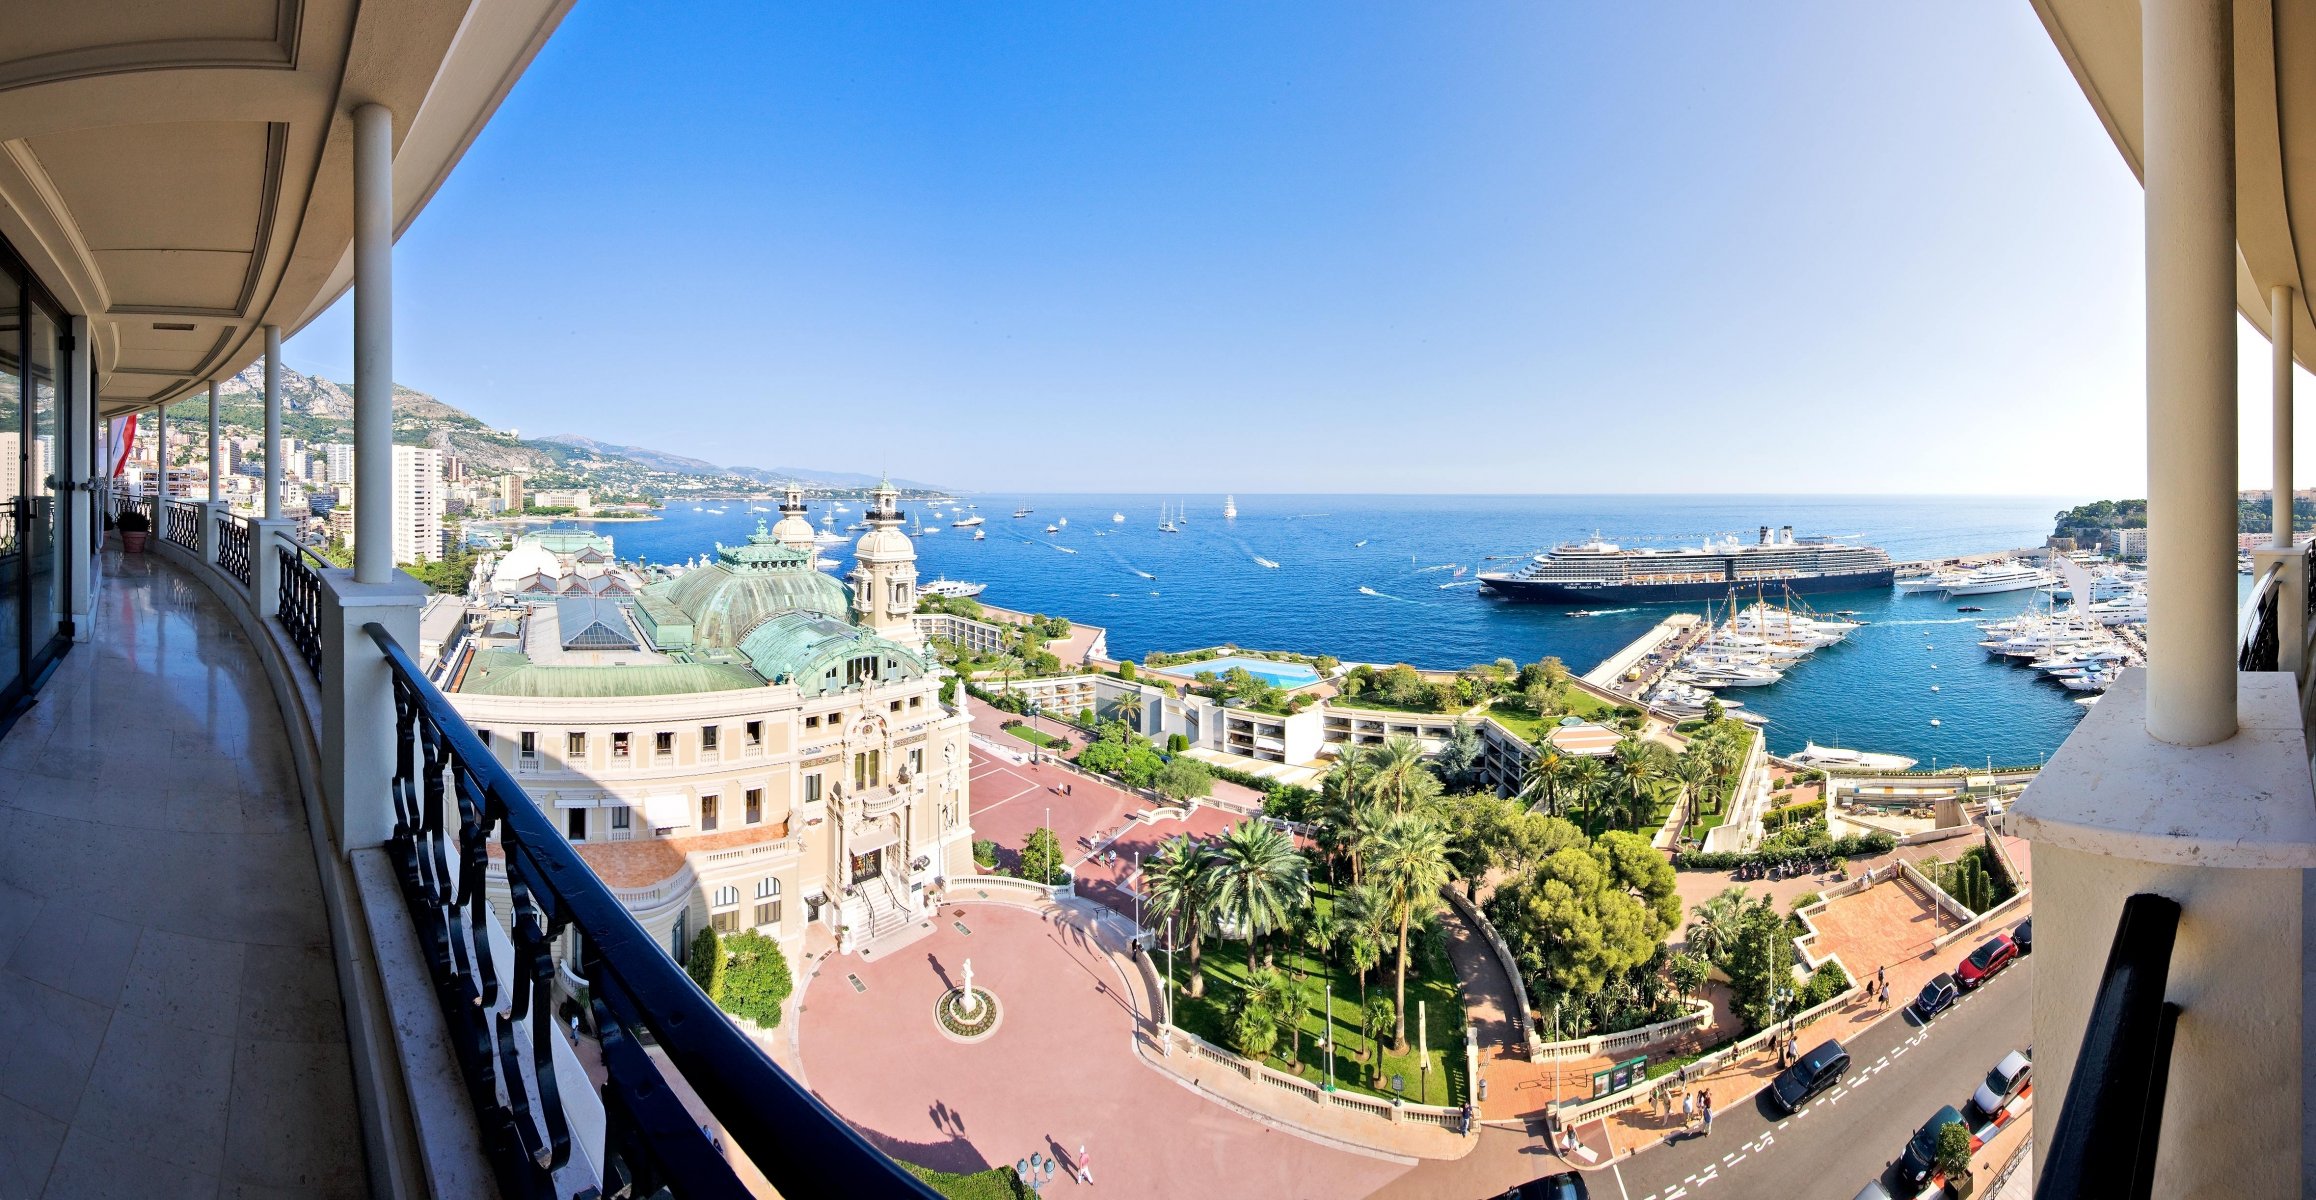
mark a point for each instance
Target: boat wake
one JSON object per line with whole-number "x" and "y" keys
{"x": 1441, "y": 567}
{"x": 1368, "y": 591}
{"x": 1460, "y": 583}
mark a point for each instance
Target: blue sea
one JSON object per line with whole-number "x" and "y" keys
{"x": 1398, "y": 598}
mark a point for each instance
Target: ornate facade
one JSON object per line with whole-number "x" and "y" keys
{"x": 727, "y": 748}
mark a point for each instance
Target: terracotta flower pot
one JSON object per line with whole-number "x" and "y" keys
{"x": 133, "y": 543}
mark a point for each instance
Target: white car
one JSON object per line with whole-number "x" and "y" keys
{"x": 2003, "y": 1084}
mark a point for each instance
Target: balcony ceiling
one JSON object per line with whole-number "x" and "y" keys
{"x": 182, "y": 173}
{"x": 2275, "y": 56}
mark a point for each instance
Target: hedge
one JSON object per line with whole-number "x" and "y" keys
{"x": 1848, "y": 847}
{"x": 996, "y": 1183}
{"x": 1288, "y": 801}
{"x": 1778, "y": 818}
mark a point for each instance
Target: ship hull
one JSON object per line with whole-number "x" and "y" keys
{"x": 1534, "y": 591}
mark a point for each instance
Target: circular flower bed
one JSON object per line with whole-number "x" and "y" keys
{"x": 950, "y": 1013}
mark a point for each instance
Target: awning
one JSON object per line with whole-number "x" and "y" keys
{"x": 874, "y": 839}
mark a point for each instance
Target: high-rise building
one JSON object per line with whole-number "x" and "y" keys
{"x": 340, "y": 456}
{"x": 417, "y": 504}
{"x": 511, "y": 492}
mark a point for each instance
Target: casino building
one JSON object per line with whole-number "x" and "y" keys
{"x": 747, "y": 745}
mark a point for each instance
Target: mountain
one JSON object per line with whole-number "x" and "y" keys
{"x": 675, "y": 462}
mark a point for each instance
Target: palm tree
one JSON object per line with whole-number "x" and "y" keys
{"x": 1542, "y": 780}
{"x": 1410, "y": 865}
{"x": 1584, "y": 781}
{"x": 1395, "y": 769}
{"x": 1718, "y": 923}
{"x": 1367, "y": 823}
{"x": 1257, "y": 878}
{"x": 1631, "y": 769}
{"x": 1692, "y": 770}
{"x": 1178, "y": 882}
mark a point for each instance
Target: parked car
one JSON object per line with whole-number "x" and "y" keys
{"x": 1992, "y": 955}
{"x": 2024, "y": 935}
{"x": 1922, "y": 1151}
{"x": 1873, "y": 1191}
{"x": 1936, "y": 996}
{"x": 1813, "y": 1073}
{"x": 2003, "y": 1084}
{"x": 1568, "y": 1185}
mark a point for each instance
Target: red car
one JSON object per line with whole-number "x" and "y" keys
{"x": 1995, "y": 954}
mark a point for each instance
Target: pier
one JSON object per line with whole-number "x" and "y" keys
{"x": 1674, "y": 631}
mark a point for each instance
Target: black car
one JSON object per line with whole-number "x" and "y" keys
{"x": 2024, "y": 935}
{"x": 1568, "y": 1185}
{"x": 1818, "y": 1070}
{"x": 1922, "y": 1151}
{"x": 1936, "y": 996}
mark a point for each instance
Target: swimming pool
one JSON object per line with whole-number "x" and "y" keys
{"x": 1277, "y": 674}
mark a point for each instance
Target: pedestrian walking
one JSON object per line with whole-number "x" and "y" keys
{"x": 1688, "y": 1109}
{"x": 1085, "y": 1166}
{"x": 1885, "y": 996}
{"x": 1882, "y": 977}
{"x": 1706, "y": 1106}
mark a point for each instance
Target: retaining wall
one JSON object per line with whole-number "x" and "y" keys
{"x": 1523, "y": 1024}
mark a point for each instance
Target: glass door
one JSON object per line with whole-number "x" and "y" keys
{"x": 44, "y": 541}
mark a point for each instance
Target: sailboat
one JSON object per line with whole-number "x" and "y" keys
{"x": 1164, "y": 525}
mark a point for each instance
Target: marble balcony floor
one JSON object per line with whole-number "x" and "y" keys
{"x": 166, "y": 974}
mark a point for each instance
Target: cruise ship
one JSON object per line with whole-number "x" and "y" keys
{"x": 1597, "y": 572}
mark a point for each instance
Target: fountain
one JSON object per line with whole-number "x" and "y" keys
{"x": 966, "y": 1013}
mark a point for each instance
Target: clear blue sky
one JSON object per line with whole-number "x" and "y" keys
{"x": 1509, "y": 247}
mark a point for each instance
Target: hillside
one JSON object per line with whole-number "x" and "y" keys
{"x": 2086, "y": 522}
{"x": 676, "y": 462}
{"x": 315, "y": 409}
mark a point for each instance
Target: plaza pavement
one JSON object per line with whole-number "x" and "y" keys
{"x": 1059, "y": 1071}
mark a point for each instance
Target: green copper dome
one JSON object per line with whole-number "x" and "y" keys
{"x": 746, "y": 585}
{"x": 822, "y": 655}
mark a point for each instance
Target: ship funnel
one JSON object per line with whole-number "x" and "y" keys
{"x": 1789, "y": 535}
{"x": 1765, "y": 535}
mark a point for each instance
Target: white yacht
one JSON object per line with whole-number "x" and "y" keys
{"x": 952, "y": 587}
{"x": 2003, "y": 576}
{"x": 1814, "y": 755}
{"x": 968, "y": 522}
{"x": 1117, "y": 518}
{"x": 1230, "y": 508}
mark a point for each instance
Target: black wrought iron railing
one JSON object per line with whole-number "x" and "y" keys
{"x": 445, "y": 775}
{"x": 184, "y": 530}
{"x": 233, "y": 546}
{"x": 2259, "y": 640}
{"x": 2104, "y": 1144}
{"x": 144, "y": 507}
{"x": 298, "y": 604}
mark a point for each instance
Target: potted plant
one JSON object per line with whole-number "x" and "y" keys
{"x": 135, "y": 528}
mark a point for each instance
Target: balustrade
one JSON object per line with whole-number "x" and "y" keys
{"x": 233, "y": 555}
{"x": 184, "y": 526}
{"x": 298, "y": 605}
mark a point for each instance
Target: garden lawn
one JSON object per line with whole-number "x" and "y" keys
{"x": 1375, "y": 703}
{"x": 1434, "y": 984}
{"x": 1529, "y": 728}
{"x": 1036, "y": 737}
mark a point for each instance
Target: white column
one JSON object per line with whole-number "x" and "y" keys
{"x": 161, "y": 477}
{"x": 2191, "y": 370}
{"x": 2281, "y": 311}
{"x": 273, "y": 452}
{"x": 216, "y": 457}
{"x": 374, "y": 344}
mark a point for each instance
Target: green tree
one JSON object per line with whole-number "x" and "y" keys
{"x": 1954, "y": 1152}
{"x": 756, "y": 978}
{"x": 1126, "y": 671}
{"x": 1258, "y": 879}
{"x": 1410, "y": 866}
{"x": 1460, "y": 757}
{"x": 1362, "y": 916}
{"x": 1759, "y": 964}
{"x": 1393, "y": 771}
{"x": 1041, "y": 857}
{"x": 705, "y": 963}
{"x": 1587, "y": 914}
{"x": 1377, "y": 1016}
{"x": 1713, "y": 932}
{"x": 1177, "y": 880}
{"x": 1183, "y": 778}
{"x": 1263, "y": 1007}
{"x": 1689, "y": 972}
{"x": 1176, "y": 743}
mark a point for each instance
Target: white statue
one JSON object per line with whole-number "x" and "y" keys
{"x": 971, "y": 1004}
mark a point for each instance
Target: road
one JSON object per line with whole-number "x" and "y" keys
{"x": 1901, "y": 1072}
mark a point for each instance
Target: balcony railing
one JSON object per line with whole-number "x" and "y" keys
{"x": 233, "y": 555}
{"x": 444, "y": 773}
{"x": 184, "y": 529}
{"x": 2105, "y": 1142}
{"x": 298, "y": 604}
{"x": 2259, "y": 636}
